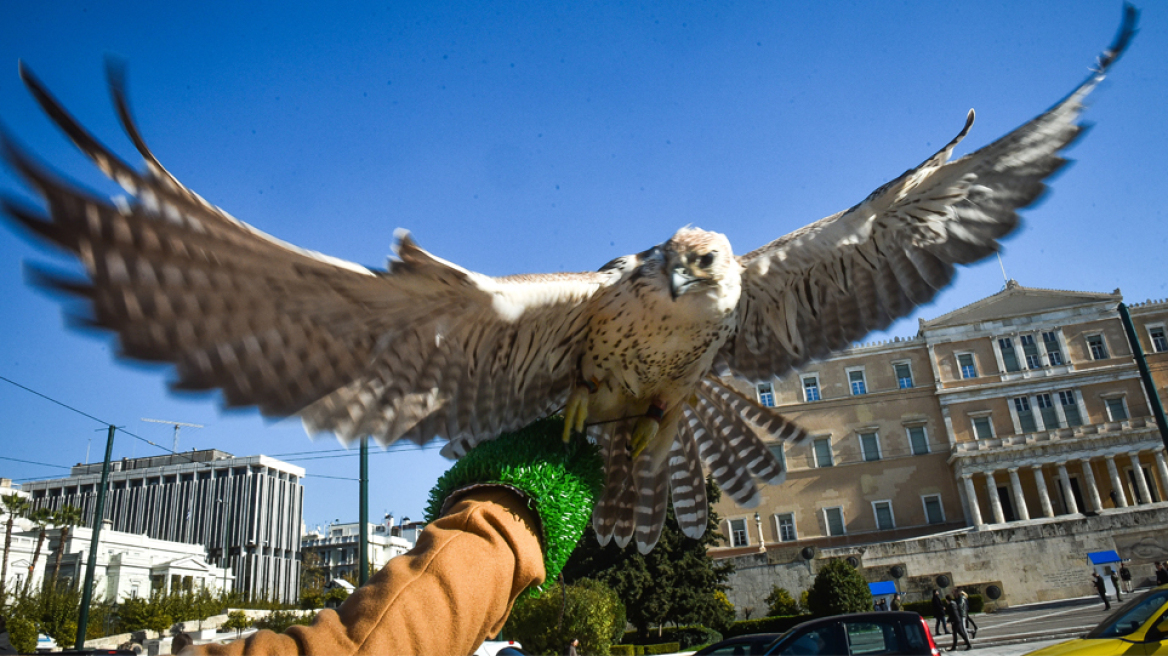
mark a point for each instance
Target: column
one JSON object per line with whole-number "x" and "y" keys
{"x": 995, "y": 500}
{"x": 1138, "y": 474}
{"x": 1162, "y": 467}
{"x": 971, "y": 497}
{"x": 1116, "y": 482}
{"x": 1019, "y": 499}
{"x": 1092, "y": 490}
{"x": 1043, "y": 493}
{"x": 1068, "y": 493}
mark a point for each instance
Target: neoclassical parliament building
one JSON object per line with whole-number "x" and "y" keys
{"x": 1023, "y": 406}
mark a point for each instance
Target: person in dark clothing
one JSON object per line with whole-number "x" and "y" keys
{"x": 1115, "y": 584}
{"x": 1125, "y": 576}
{"x": 1161, "y": 574}
{"x": 897, "y": 604}
{"x": 940, "y": 626}
{"x": 966, "y": 620}
{"x": 954, "y": 612}
{"x": 1101, "y": 588}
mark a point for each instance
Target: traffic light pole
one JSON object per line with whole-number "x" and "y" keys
{"x": 90, "y": 567}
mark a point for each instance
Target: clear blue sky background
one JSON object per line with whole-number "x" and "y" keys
{"x": 527, "y": 137}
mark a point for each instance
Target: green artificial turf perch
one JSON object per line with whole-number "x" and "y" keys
{"x": 560, "y": 481}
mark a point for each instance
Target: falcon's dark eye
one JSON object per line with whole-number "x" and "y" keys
{"x": 707, "y": 259}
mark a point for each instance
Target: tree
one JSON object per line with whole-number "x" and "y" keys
{"x": 16, "y": 506}
{"x": 676, "y": 582}
{"x": 780, "y": 602}
{"x": 67, "y": 517}
{"x": 838, "y": 588}
{"x": 42, "y": 517}
{"x": 238, "y": 620}
{"x": 587, "y": 610}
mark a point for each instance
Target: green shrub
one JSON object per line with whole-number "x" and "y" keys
{"x": 780, "y": 603}
{"x": 591, "y": 614}
{"x": 976, "y": 603}
{"x": 280, "y": 620}
{"x": 838, "y": 589}
{"x": 238, "y": 620}
{"x": 663, "y": 648}
{"x": 22, "y": 633}
{"x": 638, "y": 650}
{"x": 925, "y": 608}
{"x": 765, "y": 625}
{"x": 622, "y": 650}
{"x": 686, "y": 636}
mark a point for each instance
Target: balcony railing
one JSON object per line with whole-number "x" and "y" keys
{"x": 1042, "y": 437}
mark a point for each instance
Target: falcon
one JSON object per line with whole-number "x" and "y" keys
{"x": 636, "y": 354}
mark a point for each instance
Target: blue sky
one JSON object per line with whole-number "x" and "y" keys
{"x": 527, "y": 137}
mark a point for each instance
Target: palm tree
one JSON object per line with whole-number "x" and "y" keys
{"x": 42, "y": 517}
{"x": 67, "y": 517}
{"x": 15, "y": 505}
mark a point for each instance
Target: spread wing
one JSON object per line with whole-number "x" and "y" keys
{"x": 423, "y": 349}
{"x": 827, "y": 285}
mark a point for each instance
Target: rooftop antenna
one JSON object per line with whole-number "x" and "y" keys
{"x": 177, "y": 427}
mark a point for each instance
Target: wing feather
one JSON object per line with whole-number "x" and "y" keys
{"x": 898, "y": 247}
{"x": 424, "y": 349}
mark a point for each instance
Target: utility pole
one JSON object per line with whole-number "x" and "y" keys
{"x": 363, "y": 551}
{"x": 177, "y": 426}
{"x": 98, "y": 516}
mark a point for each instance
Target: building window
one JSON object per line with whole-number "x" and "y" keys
{"x": 883, "y": 512}
{"x": 1098, "y": 348}
{"x": 1009, "y": 357}
{"x": 1050, "y": 419}
{"x": 919, "y": 440}
{"x": 903, "y": 375}
{"x": 1070, "y": 408}
{"x": 766, "y": 395}
{"x": 857, "y": 383}
{"x": 1054, "y": 350}
{"x": 739, "y": 537}
{"x": 1025, "y": 415}
{"x": 777, "y": 451}
{"x": 1030, "y": 350}
{"x": 983, "y": 428}
{"x": 834, "y": 518}
{"x": 1159, "y": 340}
{"x": 968, "y": 368}
{"x": 870, "y": 446}
{"x": 934, "y": 513}
{"x": 811, "y": 388}
{"x": 1116, "y": 408}
{"x": 823, "y": 452}
{"x": 786, "y": 522}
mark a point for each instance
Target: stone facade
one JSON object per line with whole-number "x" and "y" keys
{"x": 1024, "y": 408}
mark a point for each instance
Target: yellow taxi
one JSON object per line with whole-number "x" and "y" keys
{"x": 1138, "y": 628}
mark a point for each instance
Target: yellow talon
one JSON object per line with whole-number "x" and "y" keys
{"x": 576, "y": 412}
{"x": 643, "y": 433}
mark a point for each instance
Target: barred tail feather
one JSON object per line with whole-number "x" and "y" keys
{"x": 687, "y": 484}
{"x": 617, "y": 477}
{"x": 724, "y": 464}
{"x": 652, "y": 500}
{"x": 741, "y": 436}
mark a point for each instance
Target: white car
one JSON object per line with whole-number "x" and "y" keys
{"x": 500, "y": 648}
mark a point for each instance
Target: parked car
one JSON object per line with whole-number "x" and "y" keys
{"x": 884, "y": 633}
{"x": 755, "y": 644}
{"x": 1138, "y": 627}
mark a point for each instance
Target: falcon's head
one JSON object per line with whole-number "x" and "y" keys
{"x": 697, "y": 260}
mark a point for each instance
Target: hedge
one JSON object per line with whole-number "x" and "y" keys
{"x": 622, "y": 650}
{"x": 686, "y": 636}
{"x": 663, "y": 648}
{"x": 779, "y": 624}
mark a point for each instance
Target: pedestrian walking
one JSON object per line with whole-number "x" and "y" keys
{"x": 940, "y": 627}
{"x": 1101, "y": 588}
{"x": 966, "y": 620}
{"x": 1125, "y": 576}
{"x": 1114, "y": 583}
{"x": 572, "y": 647}
{"x": 954, "y": 613}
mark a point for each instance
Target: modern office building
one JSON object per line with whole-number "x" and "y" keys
{"x": 251, "y": 506}
{"x": 1025, "y": 404}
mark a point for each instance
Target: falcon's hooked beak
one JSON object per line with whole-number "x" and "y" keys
{"x": 680, "y": 280}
